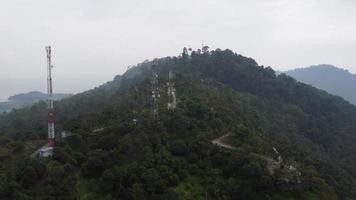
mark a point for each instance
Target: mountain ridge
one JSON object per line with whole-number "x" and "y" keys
{"x": 336, "y": 81}
{"x": 136, "y": 156}
{"x": 27, "y": 99}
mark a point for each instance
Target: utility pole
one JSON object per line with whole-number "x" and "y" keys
{"x": 155, "y": 91}
{"x": 50, "y": 98}
{"x": 172, "y": 100}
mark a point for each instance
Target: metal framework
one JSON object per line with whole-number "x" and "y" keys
{"x": 155, "y": 91}
{"x": 172, "y": 100}
{"x": 50, "y": 98}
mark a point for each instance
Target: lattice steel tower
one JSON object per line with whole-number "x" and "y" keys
{"x": 172, "y": 100}
{"x": 155, "y": 91}
{"x": 50, "y": 98}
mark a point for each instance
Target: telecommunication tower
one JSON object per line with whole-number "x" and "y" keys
{"x": 155, "y": 91}
{"x": 172, "y": 100}
{"x": 50, "y": 98}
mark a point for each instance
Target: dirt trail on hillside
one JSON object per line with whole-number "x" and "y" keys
{"x": 272, "y": 164}
{"x": 219, "y": 142}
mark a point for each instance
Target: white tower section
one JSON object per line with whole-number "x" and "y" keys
{"x": 155, "y": 91}
{"x": 172, "y": 99}
{"x": 50, "y": 98}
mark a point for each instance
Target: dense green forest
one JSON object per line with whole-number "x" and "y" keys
{"x": 288, "y": 140}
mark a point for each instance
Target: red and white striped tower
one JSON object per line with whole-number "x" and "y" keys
{"x": 50, "y": 99}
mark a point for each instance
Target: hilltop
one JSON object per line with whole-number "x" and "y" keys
{"x": 239, "y": 132}
{"x": 332, "y": 79}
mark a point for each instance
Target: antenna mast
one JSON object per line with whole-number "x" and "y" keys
{"x": 172, "y": 99}
{"x": 50, "y": 98}
{"x": 155, "y": 91}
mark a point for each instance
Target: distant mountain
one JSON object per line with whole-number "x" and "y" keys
{"x": 27, "y": 99}
{"x": 6, "y": 106}
{"x": 334, "y": 80}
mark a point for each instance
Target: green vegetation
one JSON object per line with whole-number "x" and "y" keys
{"x": 219, "y": 92}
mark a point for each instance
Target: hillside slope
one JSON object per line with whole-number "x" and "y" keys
{"x": 334, "y": 80}
{"x": 290, "y": 140}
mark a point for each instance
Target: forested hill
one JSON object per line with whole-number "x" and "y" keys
{"x": 27, "y": 99}
{"x": 334, "y": 80}
{"x": 282, "y": 139}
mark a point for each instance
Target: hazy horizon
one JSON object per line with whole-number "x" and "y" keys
{"x": 93, "y": 41}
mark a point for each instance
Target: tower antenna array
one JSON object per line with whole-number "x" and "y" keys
{"x": 155, "y": 91}
{"x": 50, "y": 98}
{"x": 172, "y": 99}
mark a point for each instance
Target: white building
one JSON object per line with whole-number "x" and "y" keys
{"x": 65, "y": 134}
{"x": 45, "y": 152}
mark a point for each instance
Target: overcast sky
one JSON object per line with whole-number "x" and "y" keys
{"x": 93, "y": 40}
